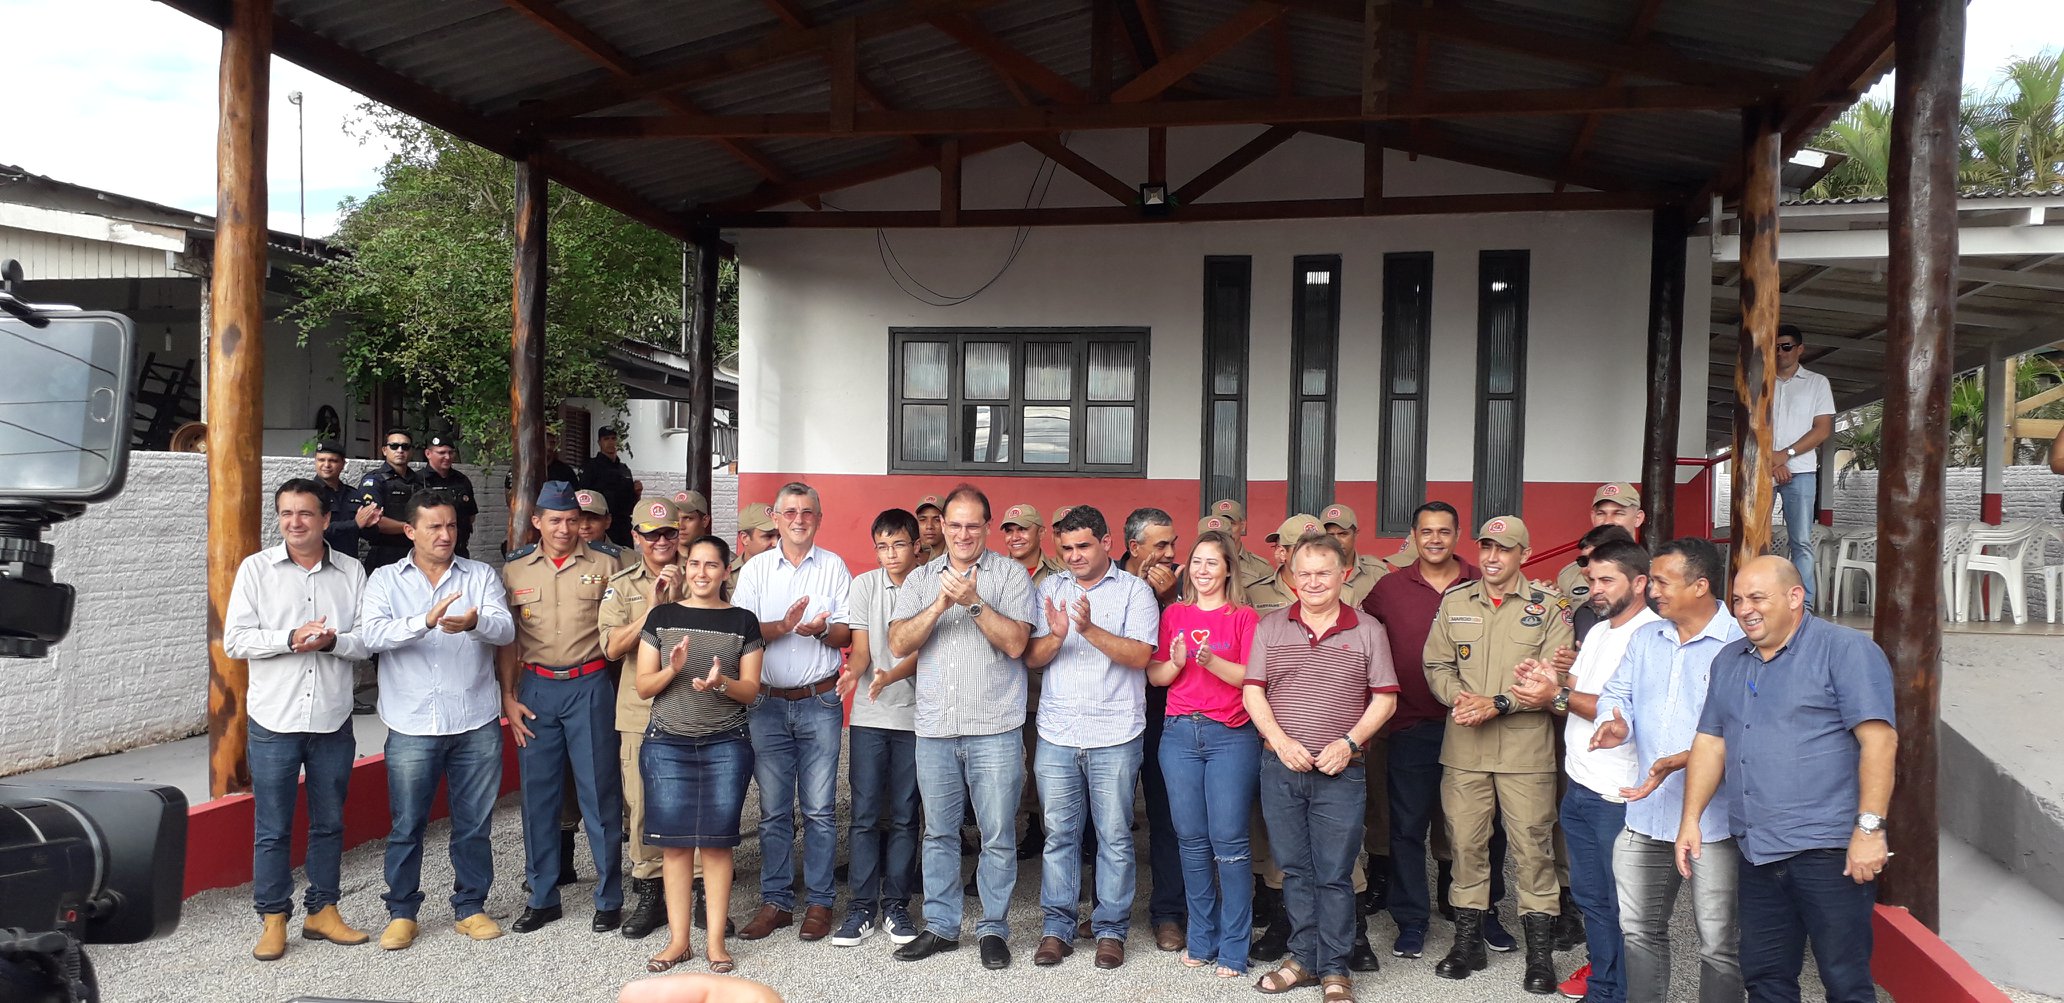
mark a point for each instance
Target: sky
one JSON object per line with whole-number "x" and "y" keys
{"x": 120, "y": 96}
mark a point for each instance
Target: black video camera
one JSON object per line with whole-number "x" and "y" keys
{"x": 80, "y": 863}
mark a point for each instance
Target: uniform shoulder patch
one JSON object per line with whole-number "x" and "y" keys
{"x": 608, "y": 548}
{"x": 371, "y": 480}
{"x": 520, "y": 553}
{"x": 628, "y": 572}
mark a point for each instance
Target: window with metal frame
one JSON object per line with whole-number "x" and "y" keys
{"x": 1501, "y": 347}
{"x": 1228, "y": 295}
{"x": 1314, "y": 357}
{"x": 1018, "y": 401}
{"x": 1407, "y": 339}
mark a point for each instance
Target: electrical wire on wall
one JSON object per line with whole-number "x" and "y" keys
{"x": 1035, "y": 195}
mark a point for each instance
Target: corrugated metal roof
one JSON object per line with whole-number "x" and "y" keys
{"x": 491, "y": 58}
{"x": 1967, "y": 193}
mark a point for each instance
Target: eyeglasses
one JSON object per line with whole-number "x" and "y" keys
{"x": 797, "y": 514}
{"x": 1787, "y": 346}
{"x": 1583, "y": 560}
{"x": 661, "y": 534}
{"x": 397, "y": 445}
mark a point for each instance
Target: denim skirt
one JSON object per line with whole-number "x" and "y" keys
{"x": 694, "y": 787}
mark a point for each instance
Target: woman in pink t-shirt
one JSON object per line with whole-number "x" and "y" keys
{"x": 1210, "y": 753}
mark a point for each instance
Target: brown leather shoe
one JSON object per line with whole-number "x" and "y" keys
{"x": 1051, "y": 951}
{"x": 816, "y": 923}
{"x": 1110, "y": 952}
{"x": 1082, "y": 931}
{"x": 766, "y": 921}
{"x": 1168, "y": 936}
{"x": 272, "y": 940}
{"x": 328, "y": 924}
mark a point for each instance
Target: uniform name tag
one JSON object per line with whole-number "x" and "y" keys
{"x": 524, "y": 596}
{"x": 1465, "y": 619}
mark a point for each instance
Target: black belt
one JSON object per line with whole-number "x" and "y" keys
{"x": 804, "y": 692}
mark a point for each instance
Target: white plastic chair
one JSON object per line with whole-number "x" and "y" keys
{"x": 1857, "y": 552}
{"x": 1824, "y": 540}
{"x": 2051, "y": 575}
{"x": 2002, "y": 551}
{"x": 1956, "y": 541}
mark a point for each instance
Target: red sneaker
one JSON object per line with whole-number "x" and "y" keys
{"x": 1573, "y": 987}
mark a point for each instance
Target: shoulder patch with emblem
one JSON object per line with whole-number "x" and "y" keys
{"x": 1530, "y": 620}
{"x": 520, "y": 553}
{"x": 609, "y": 593}
{"x": 1461, "y": 651}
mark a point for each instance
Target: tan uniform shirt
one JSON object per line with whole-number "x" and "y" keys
{"x": 1474, "y": 646}
{"x": 1048, "y": 567}
{"x": 1570, "y": 581}
{"x": 1271, "y": 595}
{"x": 1367, "y": 569}
{"x": 1254, "y": 570}
{"x": 624, "y": 602}
{"x": 556, "y": 608}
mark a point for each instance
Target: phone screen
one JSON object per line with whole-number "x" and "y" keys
{"x": 64, "y": 414}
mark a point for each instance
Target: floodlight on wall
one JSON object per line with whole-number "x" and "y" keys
{"x": 1153, "y": 198}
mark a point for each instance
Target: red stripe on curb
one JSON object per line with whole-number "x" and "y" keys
{"x": 1915, "y": 966}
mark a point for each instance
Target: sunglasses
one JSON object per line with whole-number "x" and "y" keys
{"x": 397, "y": 445}
{"x": 1787, "y": 346}
{"x": 661, "y": 534}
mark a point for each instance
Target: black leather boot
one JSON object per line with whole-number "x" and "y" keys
{"x": 1443, "y": 879}
{"x": 699, "y": 904}
{"x": 1376, "y": 897}
{"x": 1569, "y": 924}
{"x": 567, "y": 875}
{"x": 648, "y": 909}
{"x": 1267, "y": 903}
{"x": 1361, "y": 957}
{"x": 1538, "y": 928}
{"x": 1467, "y": 956}
{"x": 1274, "y": 942}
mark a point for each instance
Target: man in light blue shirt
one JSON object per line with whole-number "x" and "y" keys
{"x": 436, "y": 620}
{"x": 1096, "y": 632}
{"x": 1654, "y": 701}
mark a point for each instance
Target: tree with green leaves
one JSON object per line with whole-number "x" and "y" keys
{"x": 424, "y": 284}
{"x": 2010, "y": 139}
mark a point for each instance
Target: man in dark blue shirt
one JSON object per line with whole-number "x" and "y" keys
{"x": 1799, "y": 719}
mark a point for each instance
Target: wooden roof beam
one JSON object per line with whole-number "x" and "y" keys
{"x": 1180, "y": 64}
{"x": 1233, "y": 163}
{"x": 1146, "y": 114}
{"x": 1007, "y": 60}
{"x": 1420, "y": 205}
{"x": 1644, "y": 22}
{"x": 1428, "y": 139}
{"x": 1083, "y": 168}
{"x": 792, "y": 14}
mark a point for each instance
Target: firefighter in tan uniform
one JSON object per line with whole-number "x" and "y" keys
{"x": 1273, "y": 593}
{"x": 633, "y": 592}
{"x": 1499, "y": 757}
{"x": 756, "y": 533}
{"x": 1024, "y": 538}
{"x": 1618, "y": 503}
{"x": 557, "y": 696}
{"x": 1254, "y": 569}
{"x": 1365, "y": 568}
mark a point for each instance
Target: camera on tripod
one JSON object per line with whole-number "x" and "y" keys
{"x": 80, "y": 863}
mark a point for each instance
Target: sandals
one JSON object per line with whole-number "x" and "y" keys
{"x": 1189, "y": 962}
{"x": 722, "y": 966}
{"x": 1285, "y": 977}
{"x": 1337, "y": 989}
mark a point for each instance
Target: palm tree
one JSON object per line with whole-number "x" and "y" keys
{"x": 1864, "y": 135}
{"x": 2012, "y": 137}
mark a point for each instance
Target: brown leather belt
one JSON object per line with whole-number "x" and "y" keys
{"x": 804, "y": 692}
{"x": 563, "y": 673}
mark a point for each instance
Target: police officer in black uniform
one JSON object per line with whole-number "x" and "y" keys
{"x": 337, "y": 498}
{"x": 390, "y": 488}
{"x": 612, "y": 477}
{"x": 439, "y": 475}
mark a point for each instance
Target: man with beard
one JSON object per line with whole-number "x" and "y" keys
{"x": 1617, "y": 504}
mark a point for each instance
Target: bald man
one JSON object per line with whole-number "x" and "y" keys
{"x": 1797, "y": 689}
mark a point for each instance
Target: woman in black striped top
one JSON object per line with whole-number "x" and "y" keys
{"x": 697, "y": 757}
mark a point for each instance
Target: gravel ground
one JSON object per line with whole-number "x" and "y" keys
{"x": 209, "y": 957}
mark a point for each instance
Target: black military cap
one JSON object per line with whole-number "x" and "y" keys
{"x": 438, "y": 440}
{"x": 329, "y": 446}
{"x": 606, "y": 432}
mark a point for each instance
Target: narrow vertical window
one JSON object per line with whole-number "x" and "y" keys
{"x": 1314, "y": 353}
{"x": 1228, "y": 295}
{"x": 1407, "y": 337}
{"x": 1501, "y": 325}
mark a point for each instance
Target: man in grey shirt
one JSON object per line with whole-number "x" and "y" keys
{"x": 968, "y": 616}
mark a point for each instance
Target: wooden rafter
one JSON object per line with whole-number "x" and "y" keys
{"x": 598, "y": 50}
{"x": 1144, "y": 17}
{"x": 1422, "y": 51}
{"x": 1180, "y": 64}
{"x": 1285, "y": 59}
{"x": 780, "y": 44}
{"x": 769, "y": 196}
{"x": 792, "y": 14}
{"x": 1419, "y": 205}
{"x": 1375, "y": 71}
{"x": 1644, "y": 22}
{"x": 1082, "y": 167}
{"x": 1147, "y": 114}
{"x": 1433, "y": 141}
{"x": 1007, "y": 60}
{"x": 1233, "y": 163}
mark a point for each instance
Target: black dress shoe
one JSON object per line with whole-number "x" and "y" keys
{"x": 995, "y": 953}
{"x": 606, "y": 920}
{"x": 926, "y": 945}
{"x": 535, "y": 919}
{"x": 1361, "y": 957}
{"x": 567, "y": 847}
{"x": 972, "y": 889}
{"x": 1033, "y": 845}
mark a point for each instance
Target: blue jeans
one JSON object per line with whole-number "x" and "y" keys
{"x": 1315, "y": 828}
{"x": 1805, "y": 895}
{"x": 1165, "y": 902}
{"x": 1097, "y": 783}
{"x": 882, "y": 842}
{"x": 470, "y": 764}
{"x": 575, "y": 723}
{"x": 987, "y": 771}
{"x": 796, "y": 749}
{"x": 1590, "y": 825}
{"x": 277, "y": 759}
{"x": 1212, "y": 771}
{"x": 1414, "y": 769}
{"x": 1796, "y": 495}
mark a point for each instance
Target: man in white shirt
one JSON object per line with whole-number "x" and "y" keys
{"x": 436, "y": 619}
{"x": 798, "y": 592}
{"x": 1802, "y": 417}
{"x": 1594, "y": 808}
{"x": 292, "y": 613}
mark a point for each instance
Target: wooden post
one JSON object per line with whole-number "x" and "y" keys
{"x": 1755, "y": 370}
{"x": 236, "y": 370}
{"x": 1667, "y": 236}
{"x": 1920, "y": 330}
{"x": 702, "y": 356}
{"x": 527, "y": 353}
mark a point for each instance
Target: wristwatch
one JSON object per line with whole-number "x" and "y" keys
{"x": 1503, "y": 703}
{"x": 1791, "y": 453}
{"x": 1869, "y": 823}
{"x": 1352, "y": 745}
{"x": 721, "y": 685}
{"x": 974, "y": 609}
{"x": 1561, "y": 701}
